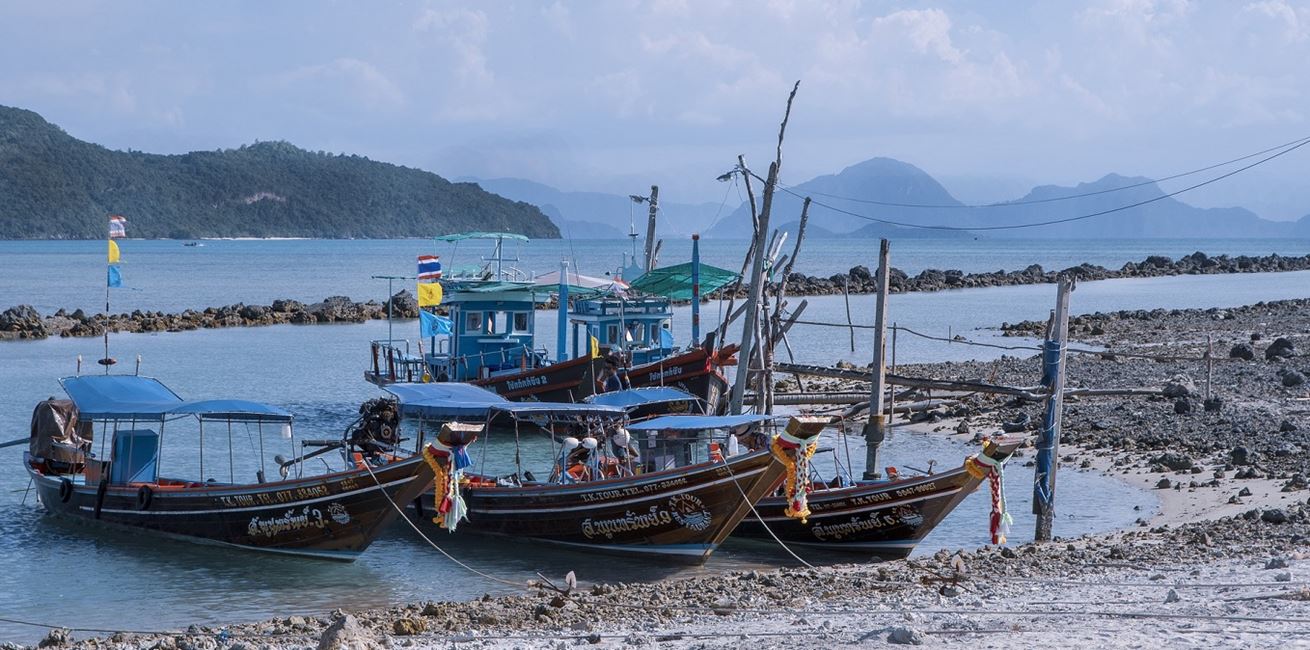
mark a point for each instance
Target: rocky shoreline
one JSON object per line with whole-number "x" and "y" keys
{"x": 24, "y": 322}
{"x": 1224, "y": 564}
{"x": 860, "y": 279}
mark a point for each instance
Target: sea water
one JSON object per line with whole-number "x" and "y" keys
{"x": 65, "y": 574}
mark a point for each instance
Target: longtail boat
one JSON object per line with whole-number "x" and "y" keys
{"x": 335, "y": 515}
{"x": 884, "y": 519}
{"x": 643, "y": 403}
{"x": 599, "y": 495}
{"x": 491, "y": 315}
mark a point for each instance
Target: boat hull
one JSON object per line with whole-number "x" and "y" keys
{"x": 690, "y": 371}
{"x": 334, "y": 516}
{"x": 567, "y": 381}
{"x": 885, "y": 520}
{"x": 682, "y": 514}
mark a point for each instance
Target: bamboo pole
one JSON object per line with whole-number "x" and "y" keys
{"x": 1048, "y": 445}
{"x": 875, "y": 431}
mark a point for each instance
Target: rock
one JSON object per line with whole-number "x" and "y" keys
{"x": 1281, "y": 348}
{"x": 1020, "y": 423}
{"x": 1274, "y": 516}
{"x": 409, "y": 626}
{"x": 1164, "y": 484}
{"x": 404, "y": 304}
{"x": 1293, "y": 378}
{"x": 1244, "y": 492}
{"x": 1242, "y": 351}
{"x": 1172, "y": 597}
{"x": 286, "y": 306}
{"x": 1276, "y": 563}
{"x": 1240, "y": 456}
{"x": 1173, "y": 461}
{"x": 56, "y": 637}
{"x": 1008, "y": 553}
{"x": 950, "y": 591}
{"x": 1213, "y": 405}
{"x": 905, "y": 636}
{"x": 346, "y": 633}
{"x": 1285, "y": 576}
{"x": 1179, "y": 386}
{"x": 1286, "y": 426}
{"x": 1182, "y": 407}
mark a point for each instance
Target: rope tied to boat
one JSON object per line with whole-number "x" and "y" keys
{"x": 984, "y": 466}
{"x": 795, "y": 454}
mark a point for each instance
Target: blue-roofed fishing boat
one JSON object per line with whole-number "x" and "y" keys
{"x": 600, "y": 493}
{"x": 882, "y": 519}
{"x": 132, "y": 484}
{"x": 492, "y": 316}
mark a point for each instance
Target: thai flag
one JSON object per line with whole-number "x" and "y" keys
{"x": 429, "y": 268}
{"x": 117, "y": 226}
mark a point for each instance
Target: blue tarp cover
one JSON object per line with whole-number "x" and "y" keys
{"x": 455, "y": 400}
{"x": 444, "y": 400}
{"x": 120, "y": 396}
{"x": 640, "y": 396}
{"x": 126, "y": 397}
{"x": 696, "y": 422}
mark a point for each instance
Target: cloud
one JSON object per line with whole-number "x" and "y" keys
{"x": 464, "y": 31}
{"x": 927, "y": 30}
{"x": 1296, "y": 28}
{"x": 345, "y": 80}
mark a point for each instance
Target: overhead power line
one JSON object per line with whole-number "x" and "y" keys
{"x": 1067, "y": 197}
{"x": 903, "y": 224}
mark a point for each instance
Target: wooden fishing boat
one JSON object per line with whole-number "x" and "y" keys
{"x": 335, "y": 515}
{"x": 643, "y": 403}
{"x": 593, "y": 499}
{"x": 566, "y": 381}
{"x": 884, "y": 519}
{"x": 695, "y": 371}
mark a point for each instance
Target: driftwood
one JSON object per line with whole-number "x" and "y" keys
{"x": 1034, "y": 393}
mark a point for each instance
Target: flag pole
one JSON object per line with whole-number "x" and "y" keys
{"x": 109, "y": 242}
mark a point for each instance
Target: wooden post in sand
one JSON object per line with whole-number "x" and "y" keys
{"x": 875, "y": 431}
{"x": 1048, "y": 442}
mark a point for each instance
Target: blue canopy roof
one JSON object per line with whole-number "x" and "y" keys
{"x": 696, "y": 422}
{"x": 455, "y": 400}
{"x": 126, "y": 397}
{"x": 120, "y": 396}
{"x": 634, "y": 397}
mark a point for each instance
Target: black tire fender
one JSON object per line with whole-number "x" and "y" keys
{"x": 65, "y": 490}
{"x": 144, "y": 495}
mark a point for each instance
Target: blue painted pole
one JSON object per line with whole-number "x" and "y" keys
{"x": 1048, "y": 441}
{"x": 695, "y": 291}
{"x": 562, "y": 337}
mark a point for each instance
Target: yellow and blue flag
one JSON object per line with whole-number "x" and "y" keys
{"x": 431, "y": 324}
{"x": 113, "y": 252}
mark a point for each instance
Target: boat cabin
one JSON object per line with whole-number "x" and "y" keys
{"x": 639, "y": 327}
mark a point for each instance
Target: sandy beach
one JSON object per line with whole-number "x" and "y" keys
{"x": 1223, "y": 563}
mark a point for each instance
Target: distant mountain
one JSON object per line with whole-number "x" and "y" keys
{"x": 54, "y": 186}
{"x": 869, "y": 187}
{"x": 609, "y": 212}
{"x": 579, "y": 229}
{"x": 879, "y": 179}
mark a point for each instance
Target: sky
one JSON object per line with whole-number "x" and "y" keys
{"x": 991, "y": 98}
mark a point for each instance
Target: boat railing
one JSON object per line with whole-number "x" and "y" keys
{"x": 392, "y": 361}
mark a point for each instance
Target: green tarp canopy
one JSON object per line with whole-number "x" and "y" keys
{"x": 675, "y": 281}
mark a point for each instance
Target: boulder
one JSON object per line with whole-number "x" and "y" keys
{"x": 905, "y": 636}
{"x": 1179, "y": 386}
{"x": 287, "y": 306}
{"x": 404, "y": 304}
{"x": 1173, "y": 461}
{"x": 1292, "y": 378}
{"x": 346, "y": 633}
{"x": 1240, "y": 456}
{"x": 1242, "y": 351}
{"x": 1281, "y": 348}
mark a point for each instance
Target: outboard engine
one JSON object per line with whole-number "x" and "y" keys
{"x": 378, "y": 428}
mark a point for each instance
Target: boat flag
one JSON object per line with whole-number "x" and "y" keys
{"x": 429, "y": 294}
{"x": 113, "y": 252}
{"x": 115, "y": 278}
{"x": 429, "y": 268}
{"x": 595, "y": 347}
{"x": 117, "y": 226}
{"x": 666, "y": 339}
{"x": 431, "y": 324}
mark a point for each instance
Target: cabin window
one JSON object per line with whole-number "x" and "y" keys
{"x": 521, "y": 322}
{"x": 491, "y": 322}
{"x": 655, "y": 334}
{"x": 611, "y": 334}
{"x": 473, "y": 324}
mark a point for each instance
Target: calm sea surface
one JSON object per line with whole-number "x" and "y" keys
{"x": 61, "y": 573}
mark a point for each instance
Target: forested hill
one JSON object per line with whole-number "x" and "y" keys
{"x": 54, "y": 186}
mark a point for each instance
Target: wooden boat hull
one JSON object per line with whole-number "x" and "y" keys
{"x": 885, "y": 519}
{"x": 690, "y": 371}
{"x": 682, "y": 514}
{"x": 567, "y": 381}
{"x": 334, "y": 516}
